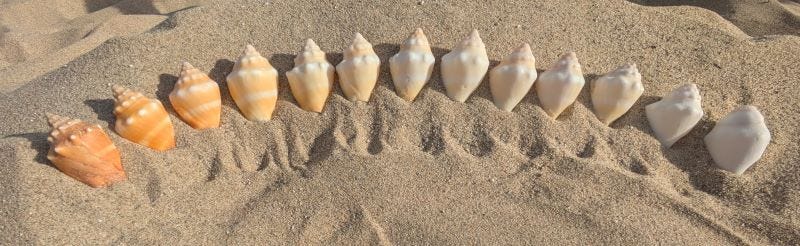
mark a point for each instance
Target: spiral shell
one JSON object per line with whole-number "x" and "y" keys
{"x": 196, "y": 98}
{"x": 253, "y": 84}
{"x": 615, "y": 93}
{"x": 412, "y": 66}
{"x": 358, "y": 71}
{"x": 511, "y": 80}
{"x": 558, "y": 87}
{"x": 675, "y": 115}
{"x": 142, "y": 120}
{"x": 463, "y": 68}
{"x": 84, "y": 152}
{"x": 311, "y": 79}
{"x": 739, "y": 140}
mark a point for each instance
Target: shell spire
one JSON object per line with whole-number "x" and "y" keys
{"x": 675, "y": 115}
{"x": 358, "y": 71}
{"x": 558, "y": 87}
{"x": 253, "y": 84}
{"x": 142, "y": 120}
{"x": 739, "y": 140}
{"x": 84, "y": 152}
{"x": 311, "y": 79}
{"x": 411, "y": 68}
{"x": 196, "y": 98}
{"x": 615, "y": 93}
{"x": 463, "y": 68}
{"x": 511, "y": 80}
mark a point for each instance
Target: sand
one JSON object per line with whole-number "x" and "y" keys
{"x": 387, "y": 171}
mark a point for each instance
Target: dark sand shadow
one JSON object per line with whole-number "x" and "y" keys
{"x": 784, "y": 22}
{"x": 39, "y": 143}
{"x": 104, "y": 109}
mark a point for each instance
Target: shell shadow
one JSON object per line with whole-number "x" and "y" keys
{"x": 165, "y": 84}
{"x": 104, "y": 109}
{"x": 690, "y": 155}
{"x": 585, "y": 97}
{"x": 39, "y": 143}
{"x": 283, "y": 63}
{"x": 636, "y": 116}
{"x": 221, "y": 69}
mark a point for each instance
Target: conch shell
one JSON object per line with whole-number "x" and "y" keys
{"x": 675, "y": 115}
{"x": 358, "y": 71}
{"x": 615, "y": 93}
{"x": 412, "y": 66}
{"x": 84, "y": 152}
{"x": 142, "y": 120}
{"x": 512, "y": 78}
{"x": 196, "y": 98}
{"x": 738, "y": 140}
{"x": 558, "y": 87}
{"x": 464, "y": 67}
{"x": 311, "y": 79}
{"x": 253, "y": 84}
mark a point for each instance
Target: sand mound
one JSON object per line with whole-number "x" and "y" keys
{"x": 429, "y": 172}
{"x": 756, "y": 18}
{"x": 38, "y": 36}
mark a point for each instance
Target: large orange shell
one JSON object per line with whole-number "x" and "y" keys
{"x": 142, "y": 120}
{"x": 253, "y": 84}
{"x": 84, "y": 152}
{"x": 196, "y": 98}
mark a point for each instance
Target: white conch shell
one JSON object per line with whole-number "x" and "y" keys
{"x": 558, "y": 87}
{"x": 358, "y": 71}
{"x": 511, "y": 80}
{"x": 615, "y": 93}
{"x": 738, "y": 140}
{"x": 675, "y": 115}
{"x": 412, "y": 66}
{"x": 311, "y": 79}
{"x": 464, "y": 67}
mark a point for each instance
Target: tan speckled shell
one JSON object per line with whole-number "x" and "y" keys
{"x": 84, "y": 152}
{"x": 142, "y": 120}
{"x": 196, "y": 98}
{"x": 253, "y": 84}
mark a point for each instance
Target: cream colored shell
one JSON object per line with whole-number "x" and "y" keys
{"x": 511, "y": 80}
{"x": 463, "y": 68}
{"x": 358, "y": 71}
{"x": 411, "y": 68}
{"x": 615, "y": 93}
{"x": 558, "y": 87}
{"x": 675, "y": 115}
{"x": 739, "y": 140}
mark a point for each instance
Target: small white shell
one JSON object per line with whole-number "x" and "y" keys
{"x": 558, "y": 87}
{"x": 675, "y": 115}
{"x": 511, "y": 80}
{"x": 358, "y": 71}
{"x": 412, "y": 66}
{"x": 464, "y": 67}
{"x": 738, "y": 140}
{"x": 615, "y": 93}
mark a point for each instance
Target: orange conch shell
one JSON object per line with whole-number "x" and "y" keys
{"x": 196, "y": 98}
{"x": 254, "y": 85}
{"x": 142, "y": 120}
{"x": 84, "y": 152}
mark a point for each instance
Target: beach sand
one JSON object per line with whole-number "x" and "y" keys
{"x": 387, "y": 171}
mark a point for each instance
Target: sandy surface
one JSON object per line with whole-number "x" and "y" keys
{"x": 390, "y": 172}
